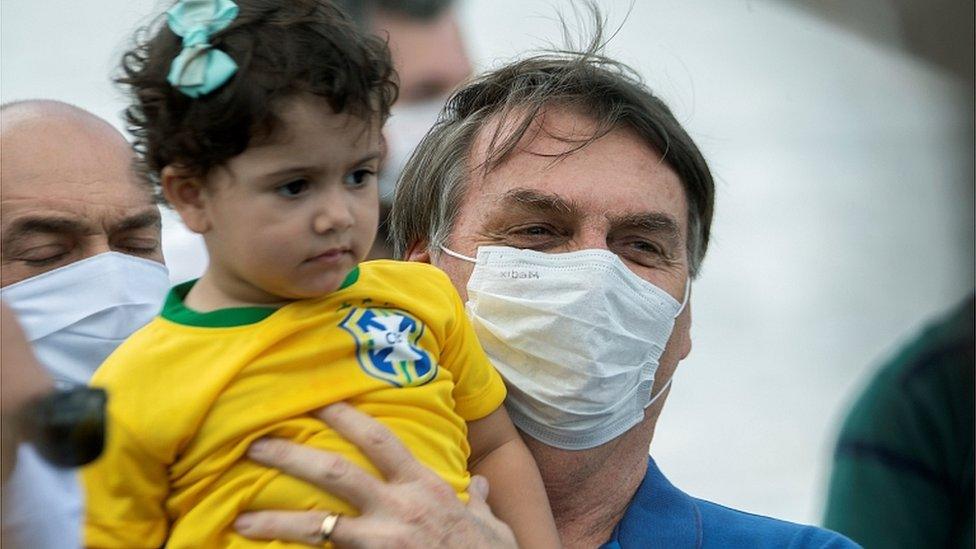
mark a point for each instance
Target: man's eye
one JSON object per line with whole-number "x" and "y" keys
{"x": 359, "y": 178}
{"x": 293, "y": 188}
{"x": 644, "y": 246}
{"x": 44, "y": 255}
{"x": 537, "y": 236}
{"x": 139, "y": 246}
{"x": 533, "y": 230}
{"x": 643, "y": 252}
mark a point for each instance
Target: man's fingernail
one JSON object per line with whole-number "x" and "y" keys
{"x": 243, "y": 522}
{"x": 478, "y": 486}
{"x": 258, "y": 448}
{"x": 333, "y": 409}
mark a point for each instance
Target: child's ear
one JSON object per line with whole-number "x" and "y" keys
{"x": 187, "y": 195}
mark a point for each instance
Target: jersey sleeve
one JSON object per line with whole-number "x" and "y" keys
{"x": 125, "y": 489}
{"x": 478, "y": 388}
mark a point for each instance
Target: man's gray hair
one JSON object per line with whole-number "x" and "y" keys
{"x": 433, "y": 183}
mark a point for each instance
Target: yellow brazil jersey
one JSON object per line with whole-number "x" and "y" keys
{"x": 190, "y": 391}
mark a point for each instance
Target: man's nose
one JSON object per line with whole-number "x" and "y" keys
{"x": 591, "y": 238}
{"x": 95, "y": 245}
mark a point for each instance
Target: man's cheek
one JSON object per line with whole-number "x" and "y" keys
{"x": 12, "y": 272}
{"x": 458, "y": 271}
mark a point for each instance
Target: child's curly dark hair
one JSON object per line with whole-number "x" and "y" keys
{"x": 281, "y": 47}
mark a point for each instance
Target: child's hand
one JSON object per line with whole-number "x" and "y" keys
{"x": 412, "y": 508}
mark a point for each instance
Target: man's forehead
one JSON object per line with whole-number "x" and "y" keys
{"x": 618, "y": 173}
{"x": 75, "y": 167}
{"x": 72, "y": 191}
{"x": 553, "y": 130}
{"x": 95, "y": 203}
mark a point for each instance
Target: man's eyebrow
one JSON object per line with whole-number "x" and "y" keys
{"x": 653, "y": 222}
{"x": 39, "y": 224}
{"x": 535, "y": 200}
{"x": 45, "y": 225}
{"x": 148, "y": 218}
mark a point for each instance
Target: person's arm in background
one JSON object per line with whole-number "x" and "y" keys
{"x": 413, "y": 507}
{"x": 517, "y": 495}
{"x": 903, "y": 467}
{"x": 21, "y": 380}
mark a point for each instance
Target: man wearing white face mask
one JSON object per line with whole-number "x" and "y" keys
{"x": 81, "y": 269}
{"x": 430, "y": 59}
{"x": 572, "y": 212}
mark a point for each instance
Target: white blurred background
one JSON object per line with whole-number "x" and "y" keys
{"x": 842, "y": 144}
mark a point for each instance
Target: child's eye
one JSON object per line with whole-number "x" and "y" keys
{"x": 359, "y": 178}
{"x": 293, "y": 188}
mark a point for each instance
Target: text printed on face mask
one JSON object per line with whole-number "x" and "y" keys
{"x": 514, "y": 274}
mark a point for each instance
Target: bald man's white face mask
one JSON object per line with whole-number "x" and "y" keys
{"x": 75, "y": 316}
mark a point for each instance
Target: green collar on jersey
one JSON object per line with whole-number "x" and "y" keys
{"x": 176, "y": 311}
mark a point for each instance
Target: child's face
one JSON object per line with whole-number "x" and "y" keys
{"x": 294, "y": 213}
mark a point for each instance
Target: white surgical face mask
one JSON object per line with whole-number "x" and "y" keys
{"x": 577, "y": 336}
{"x": 406, "y": 128}
{"x": 76, "y": 315}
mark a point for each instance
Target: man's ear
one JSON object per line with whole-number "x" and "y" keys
{"x": 187, "y": 195}
{"x": 418, "y": 252}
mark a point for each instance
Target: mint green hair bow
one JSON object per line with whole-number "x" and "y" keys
{"x": 200, "y": 68}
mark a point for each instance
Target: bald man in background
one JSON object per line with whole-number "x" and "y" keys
{"x": 68, "y": 187}
{"x": 81, "y": 267}
{"x": 81, "y": 263}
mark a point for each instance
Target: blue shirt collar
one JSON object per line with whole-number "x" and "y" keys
{"x": 659, "y": 515}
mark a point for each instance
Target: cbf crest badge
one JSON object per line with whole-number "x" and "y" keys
{"x": 386, "y": 346}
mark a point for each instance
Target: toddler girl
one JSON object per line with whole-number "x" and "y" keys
{"x": 260, "y": 122}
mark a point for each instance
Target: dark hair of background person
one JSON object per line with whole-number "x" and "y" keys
{"x": 281, "y": 49}
{"x": 433, "y": 184}
{"x": 422, "y": 10}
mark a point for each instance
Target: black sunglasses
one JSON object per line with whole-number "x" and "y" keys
{"x": 67, "y": 427}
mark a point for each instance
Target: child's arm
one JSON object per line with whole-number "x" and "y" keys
{"x": 517, "y": 495}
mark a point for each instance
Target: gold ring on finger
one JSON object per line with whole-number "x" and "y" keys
{"x": 327, "y": 526}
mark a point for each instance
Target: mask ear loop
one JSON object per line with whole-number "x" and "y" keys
{"x": 680, "y": 309}
{"x": 457, "y": 255}
{"x": 685, "y": 300}
{"x": 659, "y": 393}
